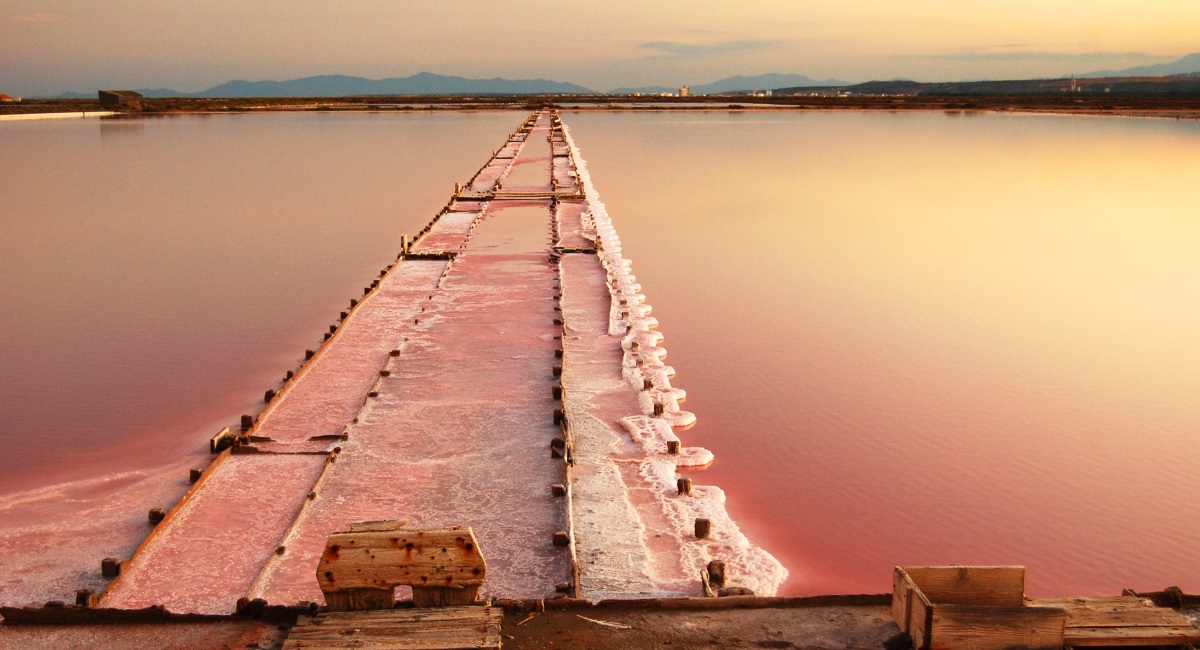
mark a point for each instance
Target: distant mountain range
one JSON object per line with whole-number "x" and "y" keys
{"x": 424, "y": 83}
{"x": 1175, "y": 85}
{"x": 1187, "y": 66}
{"x": 739, "y": 83}
{"x": 1181, "y": 77}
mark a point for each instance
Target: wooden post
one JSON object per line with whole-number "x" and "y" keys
{"x": 558, "y": 416}
{"x": 221, "y": 441}
{"x": 86, "y": 598}
{"x": 156, "y": 515}
{"x": 716, "y": 574}
{"x": 557, "y": 391}
{"x": 703, "y": 528}
{"x": 659, "y": 409}
{"x": 395, "y": 353}
{"x": 673, "y": 447}
{"x": 194, "y": 474}
{"x": 269, "y": 395}
{"x": 110, "y": 567}
{"x": 247, "y": 422}
{"x": 683, "y": 486}
{"x": 561, "y": 538}
{"x": 308, "y": 354}
{"x": 558, "y": 490}
{"x": 385, "y": 373}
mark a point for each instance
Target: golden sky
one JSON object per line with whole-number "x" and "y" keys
{"x": 49, "y": 46}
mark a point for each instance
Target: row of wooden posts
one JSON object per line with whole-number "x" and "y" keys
{"x": 111, "y": 567}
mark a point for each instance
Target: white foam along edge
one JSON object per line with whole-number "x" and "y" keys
{"x": 629, "y": 317}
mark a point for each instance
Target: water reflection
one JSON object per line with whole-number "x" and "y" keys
{"x": 913, "y": 338}
{"x": 158, "y": 278}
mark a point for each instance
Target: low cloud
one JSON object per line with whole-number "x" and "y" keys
{"x": 38, "y": 18}
{"x": 696, "y": 50}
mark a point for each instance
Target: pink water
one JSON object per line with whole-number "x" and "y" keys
{"x": 909, "y": 338}
{"x": 922, "y": 338}
{"x": 160, "y": 274}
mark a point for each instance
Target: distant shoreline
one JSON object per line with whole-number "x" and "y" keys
{"x": 1114, "y": 105}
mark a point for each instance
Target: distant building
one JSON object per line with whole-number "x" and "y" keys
{"x": 6, "y": 98}
{"x": 120, "y": 98}
{"x": 684, "y": 91}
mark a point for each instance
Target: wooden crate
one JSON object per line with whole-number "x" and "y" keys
{"x": 972, "y": 608}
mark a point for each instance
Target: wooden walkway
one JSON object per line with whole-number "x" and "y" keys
{"x": 442, "y": 628}
{"x": 1120, "y": 621}
{"x": 447, "y": 396}
{"x": 392, "y": 396}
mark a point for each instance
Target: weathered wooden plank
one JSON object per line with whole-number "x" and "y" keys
{"x": 445, "y": 558}
{"x": 1121, "y": 620}
{"x": 971, "y": 627}
{"x": 383, "y": 616}
{"x": 375, "y": 526}
{"x": 1000, "y": 586}
{"x": 1131, "y": 636}
{"x": 920, "y": 619}
{"x": 902, "y": 588}
{"x": 400, "y": 629}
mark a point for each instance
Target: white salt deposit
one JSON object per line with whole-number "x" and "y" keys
{"x": 644, "y": 372}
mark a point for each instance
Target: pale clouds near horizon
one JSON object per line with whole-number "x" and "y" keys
{"x": 49, "y": 46}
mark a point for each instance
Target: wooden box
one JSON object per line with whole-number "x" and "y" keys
{"x": 971, "y": 608}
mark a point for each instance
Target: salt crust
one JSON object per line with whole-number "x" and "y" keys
{"x": 644, "y": 370}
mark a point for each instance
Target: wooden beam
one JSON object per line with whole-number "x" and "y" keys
{"x": 999, "y": 586}
{"x": 365, "y": 564}
{"x": 972, "y": 627}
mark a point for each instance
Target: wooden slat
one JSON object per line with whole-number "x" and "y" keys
{"x": 1131, "y": 636}
{"x": 375, "y": 526}
{"x": 901, "y": 594}
{"x": 967, "y": 627}
{"x": 400, "y": 629}
{"x": 1001, "y": 586}
{"x": 444, "y": 558}
{"x": 1116, "y": 611}
{"x": 1121, "y": 621}
{"x": 920, "y": 618}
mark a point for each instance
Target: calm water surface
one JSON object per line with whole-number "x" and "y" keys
{"x": 160, "y": 274}
{"x": 928, "y": 338}
{"x": 910, "y": 338}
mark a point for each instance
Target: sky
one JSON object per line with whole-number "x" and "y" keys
{"x": 51, "y": 46}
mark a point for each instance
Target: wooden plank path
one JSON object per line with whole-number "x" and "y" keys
{"x": 211, "y": 548}
{"x": 445, "y": 628}
{"x": 447, "y": 396}
{"x": 469, "y": 395}
{"x": 1120, "y": 621}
